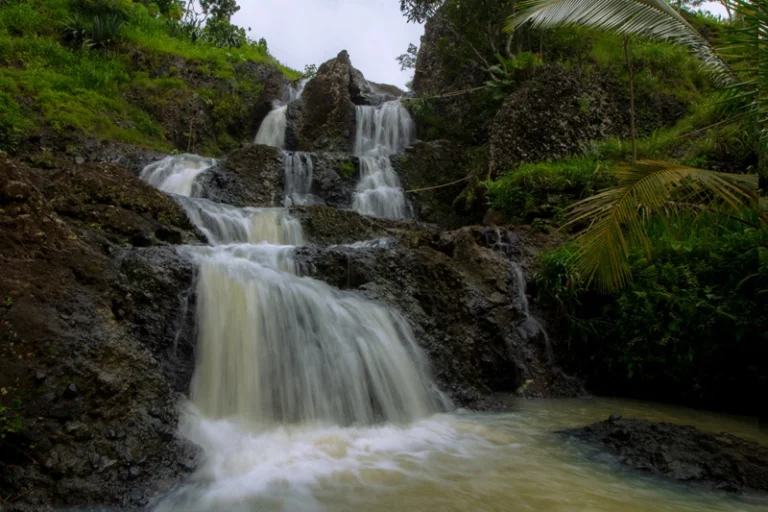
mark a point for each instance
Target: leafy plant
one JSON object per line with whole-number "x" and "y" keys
{"x": 105, "y": 29}
{"x": 616, "y": 217}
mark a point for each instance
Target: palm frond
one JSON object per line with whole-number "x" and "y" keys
{"x": 649, "y": 18}
{"x": 616, "y": 216}
{"x": 746, "y": 48}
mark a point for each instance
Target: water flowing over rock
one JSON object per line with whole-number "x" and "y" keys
{"x": 273, "y": 128}
{"x": 298, "y": 179}
{"x": 178, "y": 174}
{"x": 224, "y": 224}
{"x": 275, "y": 348}
{"x": 381, "y": 132}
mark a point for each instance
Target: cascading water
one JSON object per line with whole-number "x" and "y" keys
{"x": 177, "y": 174}
{"x": 298, "y": 179}
{"x": 308, "y": 398}
{"x": 381, "y": 132}
{"x": 530, "y": 327}
{"x": 272, "y": 129}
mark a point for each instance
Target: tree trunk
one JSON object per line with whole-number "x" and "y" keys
{"x": 633, "y": 127}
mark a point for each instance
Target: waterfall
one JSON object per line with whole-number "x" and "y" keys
{"x": 224, "y": 224}
{"x": 272, "y": 129}
{"x": 177, "y": 174}
{"x": 298, "y": 179}
{"x": 381, "y": 132}
{"x": 529, "y": 328}
{"x": 275, "y": 348}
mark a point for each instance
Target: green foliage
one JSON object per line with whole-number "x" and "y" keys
{"x": 509, "y": 73}
{"x": 689, "y": 328}
{"x": 66, "y": 64}
{"x": 347, "y": 169}
{"x": 13, "y": 124}
{"x": 105, "y": 29}
{"x": 408, "y": 59}
{"x": 544, "y": 190}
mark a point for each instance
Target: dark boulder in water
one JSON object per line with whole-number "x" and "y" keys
{"x": 683, "y": 453}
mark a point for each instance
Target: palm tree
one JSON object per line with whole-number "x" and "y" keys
{"x": 615, "y": 217}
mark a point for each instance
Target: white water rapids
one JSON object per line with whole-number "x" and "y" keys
{"x": 306, "y": 398}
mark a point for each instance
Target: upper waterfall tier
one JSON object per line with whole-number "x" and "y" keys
{"x": 272, "y": 129}
{"x": 381, "y": 132}
{"x": 384, "y": 130}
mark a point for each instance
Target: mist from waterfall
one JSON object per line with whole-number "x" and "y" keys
{"x": 380, "y": 133}
{"x": 273, "y": 127}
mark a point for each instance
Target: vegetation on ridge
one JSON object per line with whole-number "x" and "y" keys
{"x": 68, "y": 67}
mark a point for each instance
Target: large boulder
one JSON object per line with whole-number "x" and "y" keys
{"x": 334, "y": 178}
{"x": 556, "y": 113}
{"x": 89, "y": 412}
{"x": 460, "y": 292}
{"x": 252, "y": 175}
{"x": 324, "y": 118}
{"x": 682, "y": 453}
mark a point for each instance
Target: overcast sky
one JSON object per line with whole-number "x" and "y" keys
{"x": 374, "y": 32}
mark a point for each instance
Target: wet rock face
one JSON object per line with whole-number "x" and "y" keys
{"x": 252, "y": 175}
{"x": 424, "y": 165}
{"x": 324, "y": 118}
{"x": 682, "y": 453}
{"x": 460, "y": 296}
{"x": 97, "y": 411}
{"x": 334, "y": 178}
{"x": 552, "y": 115}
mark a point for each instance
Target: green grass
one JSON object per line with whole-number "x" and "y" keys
{"x": 539, "y": 193}
{"x": 46, "y": 85}
{"x": 543, "y": 190}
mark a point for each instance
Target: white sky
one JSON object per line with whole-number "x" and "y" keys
{"x": 374, "y": 32}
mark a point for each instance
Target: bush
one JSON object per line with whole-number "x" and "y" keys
{"x": 689, "y": 328}
{"x": 544, "y": 190}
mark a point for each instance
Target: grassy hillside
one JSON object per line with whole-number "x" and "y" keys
{"x": 68, "y": 68}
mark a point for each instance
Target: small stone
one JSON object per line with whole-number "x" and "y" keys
{"x": 71, "y": 391}
{"x": 40, "y": 376}
{"x": 614, "y": 418}
{"x": 15, "y": 190}
{"x": 79, "y": 160}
